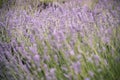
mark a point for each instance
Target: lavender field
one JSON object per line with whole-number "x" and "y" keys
{"x": 60, "y": 40}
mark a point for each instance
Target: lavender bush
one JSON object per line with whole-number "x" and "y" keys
{"x": 74, "y": 40}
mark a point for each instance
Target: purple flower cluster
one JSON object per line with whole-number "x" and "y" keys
{"x": 58, "y": 42}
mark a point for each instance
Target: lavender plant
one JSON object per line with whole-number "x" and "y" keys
{"x": 68, "y": 41}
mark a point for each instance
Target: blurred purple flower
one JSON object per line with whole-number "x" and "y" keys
{"x": 91, "y": 73}
{"x": 52, "y": 73}
{"x": 76, "y": 67}
{"x": 33, "y": 49}
{"x": 96, "y": 59}
{"x": 87, "y": 78}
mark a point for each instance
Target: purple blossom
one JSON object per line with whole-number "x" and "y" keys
{"x": 32, "y": 39}
{"x": 60, "y": 27}
{"x": 90, "y": 59}
{"x": 52, "y": 73}
{"x": 33, "y": 49}
{"x": 37, "y": 58}
{"x": 77, "y": 67}
{"x": 87, "y": 78}
{"x": 72, "y": 53}
{"x": 96, "y": 59}
{"x": 46, "y": 57}
{"x": 91, "y": 73}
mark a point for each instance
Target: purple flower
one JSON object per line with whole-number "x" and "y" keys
{"x": 33, "y": 49}
{"x": 77, "y": 67}
{"x": 90, "y": 59}
{"x": 72, "y": 53}
{"x": 87, "y": 78}
{"x": 36, "y": 59}
{"x": 52, "y": 72}
{"x": 96, "y": 59}
{"x": 91, "y": 73}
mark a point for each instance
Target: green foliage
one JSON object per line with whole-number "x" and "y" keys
{"x": 1, "y": 2}
{"x": 3, "y": 35}
{"x": 90, "y": 3}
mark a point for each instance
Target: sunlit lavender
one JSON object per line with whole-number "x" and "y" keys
{"x": 60, "y": 40}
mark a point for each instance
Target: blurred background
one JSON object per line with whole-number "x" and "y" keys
{"x": 59, "y": 40}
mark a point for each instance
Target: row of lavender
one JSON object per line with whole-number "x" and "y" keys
{"x": 66, "y": 42}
